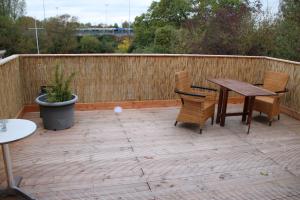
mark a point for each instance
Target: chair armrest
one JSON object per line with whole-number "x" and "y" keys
{"x": 283, "y": 91}
{"x": 203, "y": 88}
{"x": 188, "y": 94}
{"x": 258, "y": 84}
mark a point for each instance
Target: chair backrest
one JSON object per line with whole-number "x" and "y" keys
{"x": 275, "y": 81}
{"x": 183, "y": 81}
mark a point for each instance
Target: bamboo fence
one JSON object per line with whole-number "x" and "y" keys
{"x": 126, "y": 77}
{"x": 133, "y": 77}
{"x": 292, "y": 98}
{"x": 11, "y": 91}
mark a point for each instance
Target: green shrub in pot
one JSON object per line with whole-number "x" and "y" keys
{"x": 57, "y": 105}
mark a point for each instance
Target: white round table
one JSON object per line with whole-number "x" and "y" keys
{"x": 17, "y": 129}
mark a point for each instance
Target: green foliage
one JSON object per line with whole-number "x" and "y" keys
{"x": 166, "y": 12}
{"x": 9, "y": 35}
{"x": 169, "y": 26}
{"x": 124, "y": 46}
{"x": 116, "y": 25}
{"x": 163, "y": 18}
{"x": 12, "y": 8}
{"x": 206, "y": 26}
{"x": 165, "y": 39}
{"x": 258, "y": 41}
{"x": 125, "y": 24}
{"x": 59, "y": 35}
{"x": 108, "y": 44}
{"x": 26, "y": 43}
{"x": 144, "y": 33}
{"x": 223, "y": 33}
{"x": 89, "y": 44}
{"x": 60, "y": 89}
{"x": 193, "y": 26}
{"x": 288, "y": 31}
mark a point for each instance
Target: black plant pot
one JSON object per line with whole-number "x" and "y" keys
{"x": 59, "y": 115}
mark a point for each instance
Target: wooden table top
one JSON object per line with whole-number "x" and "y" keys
{"x": 241, "y": 87}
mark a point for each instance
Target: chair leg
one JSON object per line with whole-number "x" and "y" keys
{"x": 270, "y": 122}
{"x": 212, "y": 120}
{"x": 200, "y": 130}
{"x": 279, "y": 117}
{"x": 260, "y": 113}
{"x": 175, "y": 123}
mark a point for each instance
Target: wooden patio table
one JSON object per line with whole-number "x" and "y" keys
{"x": 248, "y": 90}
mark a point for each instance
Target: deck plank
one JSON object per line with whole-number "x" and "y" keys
{"x": 139, "y": 154}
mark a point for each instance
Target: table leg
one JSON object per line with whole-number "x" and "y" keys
{"x": 251, "y": 104}
{"x": 12, "y": 183}
{"x": 8, "y": 166}
{"x": 224, "y": 106}
{"x": 246, "y": 108}
{"x": 219, "y": 105}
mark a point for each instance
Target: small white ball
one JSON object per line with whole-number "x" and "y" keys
{"x": 118, "y": 109}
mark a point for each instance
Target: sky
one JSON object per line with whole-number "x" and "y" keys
{"x": 101, "y": 11}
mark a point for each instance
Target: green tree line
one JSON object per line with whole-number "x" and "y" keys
{"x": 218, "y": 27}
{"x": 55, "y": 34}
{"x": 228, "y": 27}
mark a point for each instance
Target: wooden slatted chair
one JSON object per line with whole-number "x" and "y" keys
{"x": 198, "y": 103}
{"x": 275, "y": 82}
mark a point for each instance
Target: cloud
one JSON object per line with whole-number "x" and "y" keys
{"x": 96, "y": 11}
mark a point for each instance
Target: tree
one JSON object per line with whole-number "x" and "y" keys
{"x": 9, "y": 35}
{"x": 12, "y": 8}
{"x": 168, "y": 12}
{"x": 288, "y": 30}
{"x": 160, "y": 14}
{"x": 144, "y": 32}
{"x": 222, "y": 34}
{"x": 116, "y": 25}
{"x": 165, "y": 39}
{"x": 59, "y": 35}
{"x": 27, "y": 42}
{"x": 89, "y": 44}
{"x": 15, "y": 36}
{"x": 229, "y": 27}
{"x": 125, "y": 24}
{"x": 123, "y": 47}
{"x": 108, "y": 44}
{"x": 258, "y": 38}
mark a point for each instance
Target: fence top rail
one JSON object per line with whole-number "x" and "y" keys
{"x": 138, "y": 55}
{"x": 283, "y": 60}
{"x": 8, "y": 59}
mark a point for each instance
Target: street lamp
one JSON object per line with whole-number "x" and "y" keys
{"x": 106, "y": 5}
{"x": 129, "y": 15}
{"x": 44, "y": 10}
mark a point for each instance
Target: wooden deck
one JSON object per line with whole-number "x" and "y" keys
{"x": 140, "y": 155}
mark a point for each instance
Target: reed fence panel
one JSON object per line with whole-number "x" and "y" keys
{"x": 11, "y": 91}
{"x": 109, "y": 78}
{"x": 292, "y": 98}
{"x": 103, "y": 78}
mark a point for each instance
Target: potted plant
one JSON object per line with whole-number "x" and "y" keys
{"x": 57, "y": 105}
